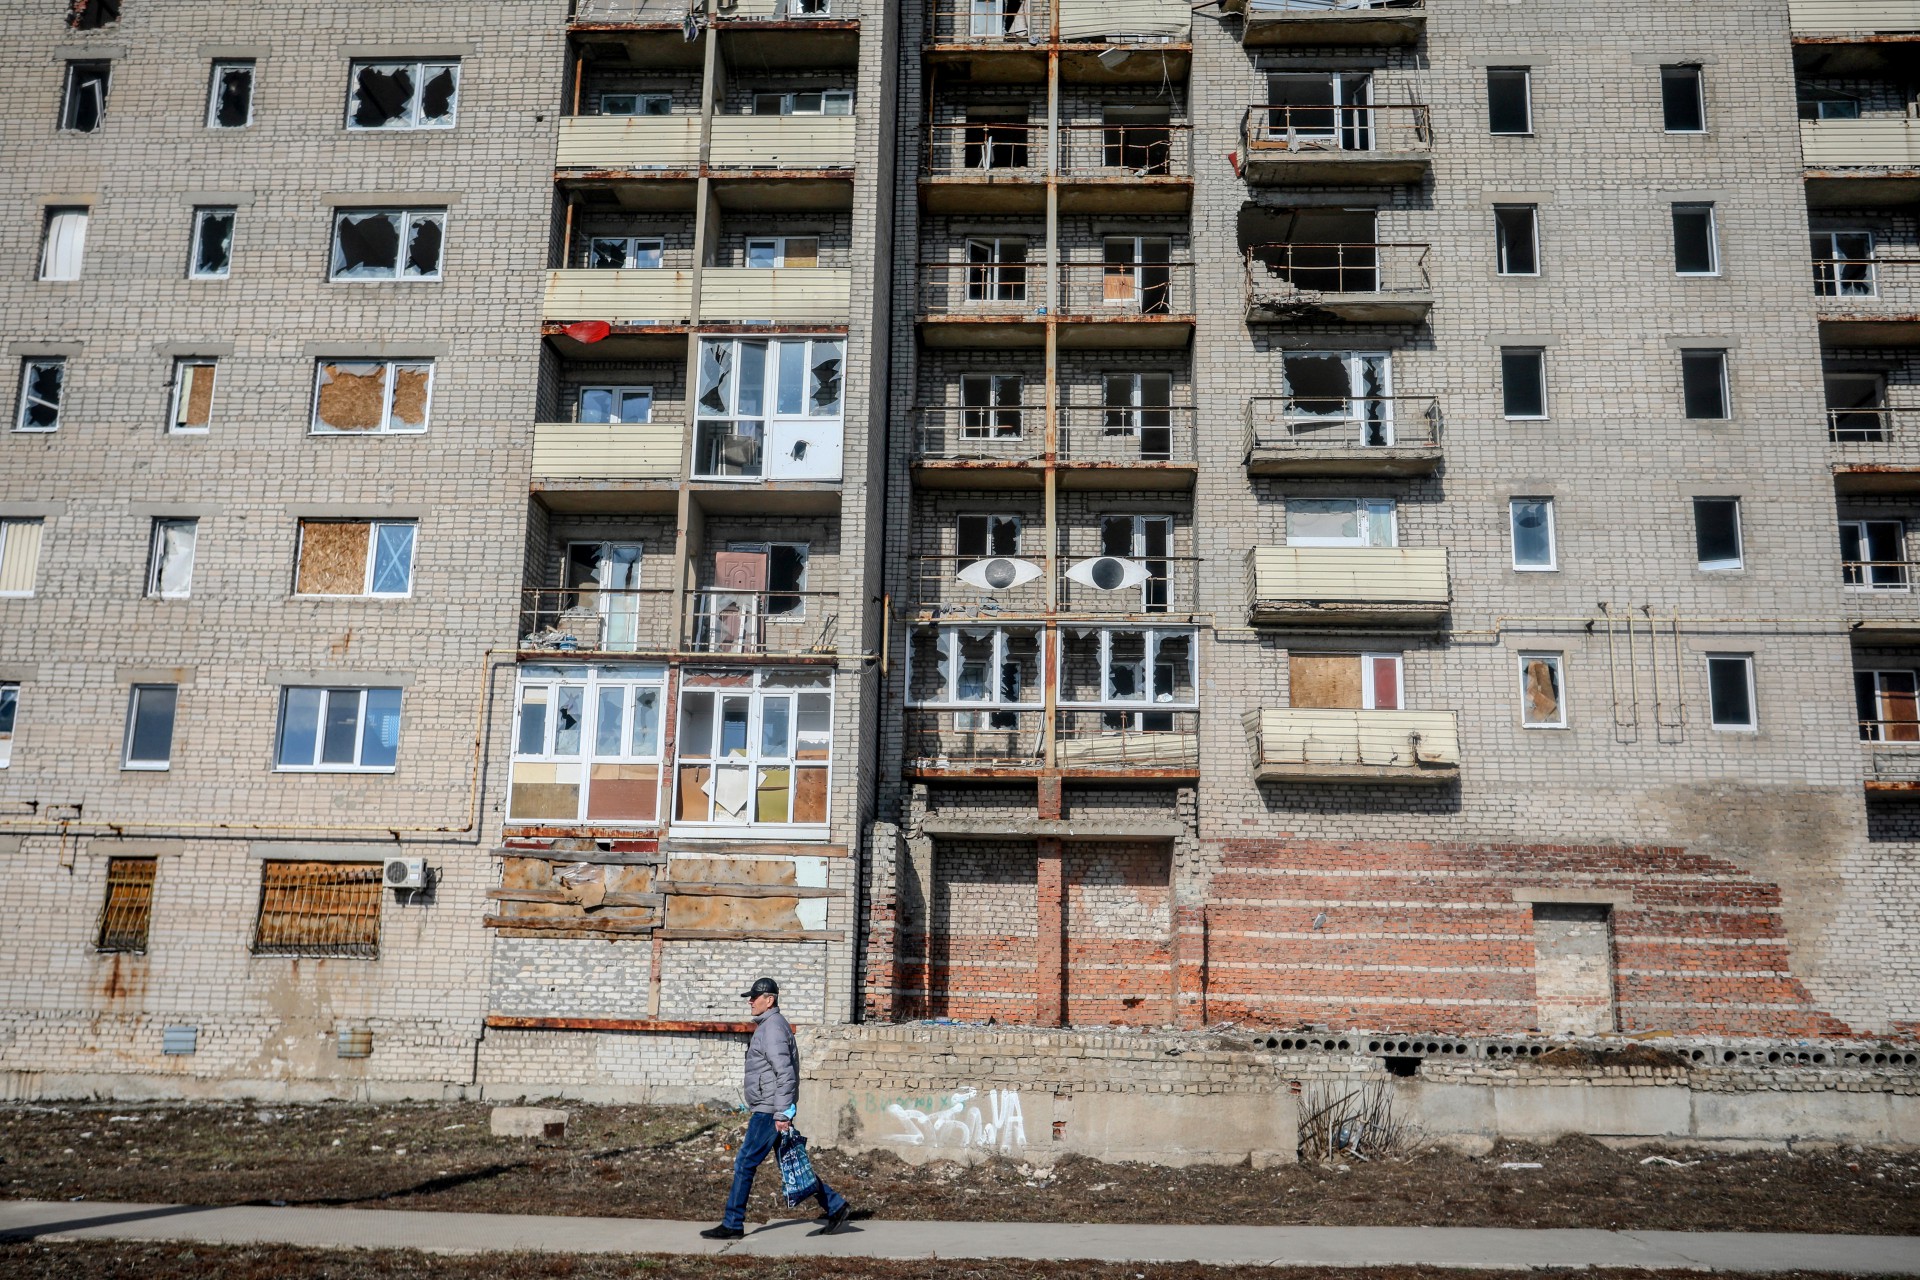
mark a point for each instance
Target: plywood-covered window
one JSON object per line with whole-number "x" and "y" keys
{"x": 372, "y": 395}
{"x": 587, "y": 744}
{"x": 329, "y": 909}
{"x": 1347, "y": 681}
{"x": 193, "y": 382}
{"x": 754, "y": 749}
{"x": 128, "y": 908}
{"x": 355, "y": 558}
{"x": 1543, "y": 698}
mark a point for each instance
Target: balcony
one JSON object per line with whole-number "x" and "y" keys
{"x": 1000, "y": 167}
{"x": 1300, "y": 745}
{"x": 1361, "y": 283}
{"x": 776, "y": 295}
{"x": 1007, "y": 41}
{"x": 1860, "y": 164}
{"x": 1835, "y": 18}
{"x": 1011, "y": 742}
{"x": 648, "y": 309}
{"x": 770, "y": 35}
{"x": 1291, "y": 145}
{"x": 797, "y": 163}
{"x": 1392, "y": 436}
{"x": 589, "y": 620}
{"x": 1098, "y": 447}
{"x": 643, "y": 145}
{"x": 578, "y": 466}
{"x": 1868, "y": 302}
{"x": 1877, "y": 449}
{"x": 936, "y": 590}
{"x": 1892, "y": 750}
{"x": 1140, "y": 305}
{"x": 1274, "y": 23}
{"x": 1879, "y": 601}
{"x": 1347, "y": 586}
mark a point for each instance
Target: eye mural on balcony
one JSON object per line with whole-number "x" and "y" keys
{"x": 999, "y": 573}
{"x": 1108, "y": 573}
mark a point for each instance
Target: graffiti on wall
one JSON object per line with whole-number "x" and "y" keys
{"x": 992, "y": 1124}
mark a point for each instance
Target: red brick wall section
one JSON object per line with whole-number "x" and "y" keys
{"x": 975, "y": 956}
{"x": 1428, "y": 937}
{"x": 1119, "y": 924}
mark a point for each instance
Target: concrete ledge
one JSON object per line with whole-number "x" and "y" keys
{"x": 1141, "y": 829}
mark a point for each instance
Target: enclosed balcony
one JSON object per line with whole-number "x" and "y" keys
{"x": 999, "y": 166}
{"x": 1841, "y": 18}
{"x": 996, "y": 302}
{"x": 1290, "y": 144}
{"x": 607, "y": 466}
{"x": 646, "y": 310}
{"x": 1861, "y": 163}
{"x": 1865, "y": 298}
{"x": 1361, "y": 283}
{"x": 1286, "y": 23}
{"x": 1318, "y": 745}
{"x": 1347, "y": 586}
{"x": 1335, "y": 435}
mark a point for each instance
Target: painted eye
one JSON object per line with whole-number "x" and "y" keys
{"x": 1108, "y": 573}
{"x": 997, "y": 573}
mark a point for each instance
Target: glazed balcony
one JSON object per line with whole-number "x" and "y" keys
{"x": 1325, "y": 745}
{"x": 1361, "y": 283}
{"x": 1143, "y": 305}
{"x": 1285, "y": 23}
{"x": 1347, "y": 586}
{"x": 1868, "y": 302}
{"x": 1858, "y": 164}
{"x": 1098, "y": 447}
{"x": 1354, "y": 436}
{"x": 1292, "y": 145}
{"x": 1875, "y": 449}
{"x": 995, "y": 167}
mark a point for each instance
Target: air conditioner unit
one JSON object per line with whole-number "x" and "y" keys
{"x": 1108, "y": 573}
{"x": 405, "y": 873}
{"x": 997, "y": 573}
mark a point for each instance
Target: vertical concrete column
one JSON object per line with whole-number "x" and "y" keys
{"x": 1050, "y": 942}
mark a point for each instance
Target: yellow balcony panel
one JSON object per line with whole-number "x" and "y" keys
{"x": 779, "y": 295}
{"x": 782, "y": 142}
{"x": 1876, "y": 142}
{"x": 639, "y": 297}
{"x": 628, "y": 142}
{"x": 1302, "y": 745}
{"x": 606, "y": 450}
{"x": 1833, "y": 17}
{"x": 1269, "y": 23}
{"x": 1347, "y": 585}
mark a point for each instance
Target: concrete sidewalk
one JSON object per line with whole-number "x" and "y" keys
{"x": 1489, "y": 1248}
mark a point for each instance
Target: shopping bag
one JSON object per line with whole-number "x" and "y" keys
{"x": 798, "y": 1181}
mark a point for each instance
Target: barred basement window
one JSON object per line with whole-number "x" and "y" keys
{"x": 129, "y": 906}
{"x": 329, "y": 909}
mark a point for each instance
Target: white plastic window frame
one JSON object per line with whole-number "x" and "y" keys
{"x": 982, "y": 421}
{"x": 1150, "y": 661}
{"x": 60, "y": 225}
{"x": 770, "y": 391}
{"x": 1697, "y": 74}
{"x": 1725, "y": 564}
{"x": 1874, "y": 730}
{"x": 1504, "y": 244}
{"x": 780, "y": 244}
{"x": 315, "y": 763}
{"x": 1552, "y": 564}
{"x": 1712, "y": 213}
{"x": 1367, "y": 513}
{"x": 631, "y": 682}
{"x": 158, "y": 561}
{"x": 617, "y": 394}
{"x": 9, "y": 719}
{"x": 640, "y": 100}
{"x": 390, "y": 377}
{"x": 1557, "y": 660}
{"x": 630, "y": 250}
{"x": 27, "y": 399}
{"x": 366, "y": 591}
{"x": 219, "y": 66}
{"x": 758, "y": 693}
{"x": 946, "y": 645}
{"x": 136, "y": 695}
{"x": 1525, "y": 75}
{"x": 422, "y": 68}
{"x": 182, "y": 388}
{"x": 401, "y": 273}
{"x": 40, "y": 529}
{"x": 1864, "y": 569}
{"x": 789, "y": 102}
{"x": 200, "y": 215}
{"x": 1745, "y": 660}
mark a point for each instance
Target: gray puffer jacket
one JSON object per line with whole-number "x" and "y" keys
{"x": 773, "y": 1065}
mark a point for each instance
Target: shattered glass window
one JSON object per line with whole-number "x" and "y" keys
{"x": 372, "y": 395}
{"x": 367, "y": 244}
{"x": 40, "y": 390}
{"x": 85, "y": 105}
{"x": 403, "y": 95}
{"x": 230, "y": 96}
{"x": 212, "y": 243}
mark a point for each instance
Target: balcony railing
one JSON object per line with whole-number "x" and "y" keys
{"x": 1875, "y": 142}
{"x": 1116, "y": 740}
{"x": 999, "y": 433}
{"x": 1301, "y": 424}
{"x": 1825, "y": 17}
{"x": 1103, "y": 289}
{"x": 1356, "y": 281}
{"x": 653, "y": 12}
{"x": 1292, "y": 143}
{"x": 640, "y": 620}
{"x": 1873, "y": 576}
{"x": 591, "y": 620}
{"x": 1119, "y": 435}
{"x": 934, "y": 584}
{"x": 607, "y": 450}
{"x": 763, "y": 622}
{"x": 989, "y": 22}
{"x": 1881, "y": 429}
{"x": 975, "y": 738}
{"x": 1893, "y": 731}
{"x": 1839, "y": 282}
{"x": 1347, "y": 584}
{"x": 1014, "y": 151}
{"x": 1090, "y": 740}
{"x": 1009, "y": 151}
{"x": 1325, "y": 745}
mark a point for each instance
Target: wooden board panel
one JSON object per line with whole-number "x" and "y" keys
{"x": 1323, "y": 679}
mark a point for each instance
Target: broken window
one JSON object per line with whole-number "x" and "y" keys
{"x": 1320, "y": 110}
{"x": 355, "y": 558}
{"x": 786, "y": 574}
{"x": 769, "y": 409}
{"x": 63, "y": 244}
{"x": 328, "y": 909}
{"x": 1344, "y": 681}
{"x": 212, "y": 244}
{"x": 91, "y": 15}
{"x": 1873, "y": 555}
{"x": 85, "y": 103}
{"x": 615, "y": 404}
{"x": 1856, "y": 407}
{"x": 616, "y": 253}
{"x": 1888, "y": 703}
{"x": 1523, "y": 382}
{"x": 149, "y": 739}
{"x": 977, "y": 537}
{"x": 1696, "y": 242}
{"x": 1509, "y": 100}
{"x": 338, "y": 730}
{"x": 125, "y": 914}
{"x": 1543, "y": 705}
{"x": 990, "y": 406}
{"x": 1148, "y": 539}
{"x": 170, "y": 558}
{"x": 995, "y": 138}
{"x": 193, "y": 382}
{"x": 19, "y": 555}
{"x": 1124, "y": 667}
{"x": 9, "y": 711}
{"x": 1683, "y": 99}
{"x": 1137, "y": 138}
{"x": 605, "y": 576}
{"x": 1341, "y": 522}
{"x": 823, "y": 102}
{"x": 997, "y": 19}
{"x": 1828, "y": 104}
{"x": 42, "y": 383}
{"x": 1138, "y": 273}
{"x": 1843, "y": 265}
{"x": 996, "y": 270}
{"x": 1517, "y": 232}
{"x": 636, "y": 104}
{"x": 387, "y": 244}
{"x": 372, "y": 395}
{"x": 587, "y": 744}
{"x": 1345, "y": 391}
{"x": 1716, "y": 532}
{"x": 1703, "y": 384}
{"x": 1140, "y": 406}
{"x": 972, "y": 667}
{"x": 1730, "y": 690}
{"x": 1531, "y": 522}
{"x": 783, "y": 251}
{"x": 754, "y": 748}
{"x": 230, "y": 95}
{"x": 403, "y": 95}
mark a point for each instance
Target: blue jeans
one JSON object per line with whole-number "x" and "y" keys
{"x": 754, "y": 1148}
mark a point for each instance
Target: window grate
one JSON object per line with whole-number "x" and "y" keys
{"x": 129, "y": 906}
{"x": 319, "y": 909}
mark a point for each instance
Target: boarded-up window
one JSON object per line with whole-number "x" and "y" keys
{"x": 1573, "y": 968}
{"x": 319, "y": 909}
{"x": 1347, "y": 681}
{"x": 355, "y": 558}
{"x": 19, "y": 556}
{"x": 1542, "y": 705}
{"x": 193, "y": 379}
{"x": 129, "y": 905}
{"x": 372, "y": 395}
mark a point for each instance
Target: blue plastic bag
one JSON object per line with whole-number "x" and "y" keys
{"x": 798, "y": 1181}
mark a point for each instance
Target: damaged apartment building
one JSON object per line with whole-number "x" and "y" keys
{"x": 520, "y": 518}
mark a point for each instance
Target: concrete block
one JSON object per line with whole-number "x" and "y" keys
{"x": 529, "y": 1122}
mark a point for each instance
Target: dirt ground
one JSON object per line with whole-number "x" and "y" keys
{"x": 676, "y": 1162}
{"x": 143, "y": 1261}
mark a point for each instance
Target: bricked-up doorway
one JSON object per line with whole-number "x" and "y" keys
{"x": 982, "y": 931}
{"x": 1573, "y": 968}
{"x": 1119, "y": 934}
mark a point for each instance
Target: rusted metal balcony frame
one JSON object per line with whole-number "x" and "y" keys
{"x": 1097, "y": 187}
{"x": 944, "y": 458}
{"x": 1021, "y": 322}
{"x": 934, "y": 598}
{"x": 569, "y": 621}
{"x": 1887, "y": 313}
{"x": 1355, "y": 22}
{"x": 1379, "y": 263}
{"x": 1314, "y": 156}
{"x": 1884, "y": 458}
{"x": 1028, "y": 726}
{"x": 1892, "y": 766}
{"x": 1278, "y": 447}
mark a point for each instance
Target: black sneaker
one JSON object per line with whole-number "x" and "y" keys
{"x": 722, "y": 1232}
{"x": 835, "y": 1221}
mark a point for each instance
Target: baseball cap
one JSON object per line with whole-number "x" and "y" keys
{"x": 761, "y": 987}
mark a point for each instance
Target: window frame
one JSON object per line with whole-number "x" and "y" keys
{"x": 402, "y": 274}
{"x": 136, "y": 696}
{"x": 640, "y": 98}
{"x": 1366, "y": 512}
{"x": 182, "y": 394}
{"x": 1724, "y": 368}
{"x": 1873, "y": 729}
{"x": 1721, "y": 564}
{"x": 1552, "y": 564}
{"x": 788, "y": 99}
{"x": 9, "y": 719}
{"x": 390, "y": 368}
{"x": 1695, "y": 73}
{"x": 27, "y": 399}
{"x": 629, "y": 252}
{"x": 1829, "y": 265}
{"x": 1712, "y": 214}
{"x": 201, "y": 215}
{"x": 374, "y": 528}
{"x": 769, "y": 420}
{"x": 69, "y": 99}
{"x": 759, "y": 692}
{"x": 131, "y": 938}
{"x": 1131, "y": 713}
{"x": 1539, "y": 358}
{"x": 1525, "y": 76}
{"x": 633, "y": 680}
{"x": 317, "y": 764}
{"x": 1504, "y": 242}
{"x": 156, "y": 556}
{"x": 409, "y": 122}
{"x": 780, "y": 244}
{"x": 1752, "y": 723}
{"x": 1556, "y": 660}
{"x": 1156, "y": 590}
{"x": 40, "y": 532}
{"x": 988, "y": 420}
{"x": 53, "y": 214}
{"x": 617, "y": 395}
{"x": 1858, "y": 575}
{"x": 213, "y": 90}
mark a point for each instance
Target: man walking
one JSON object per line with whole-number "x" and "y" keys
{"x": 773, "y": 1090}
